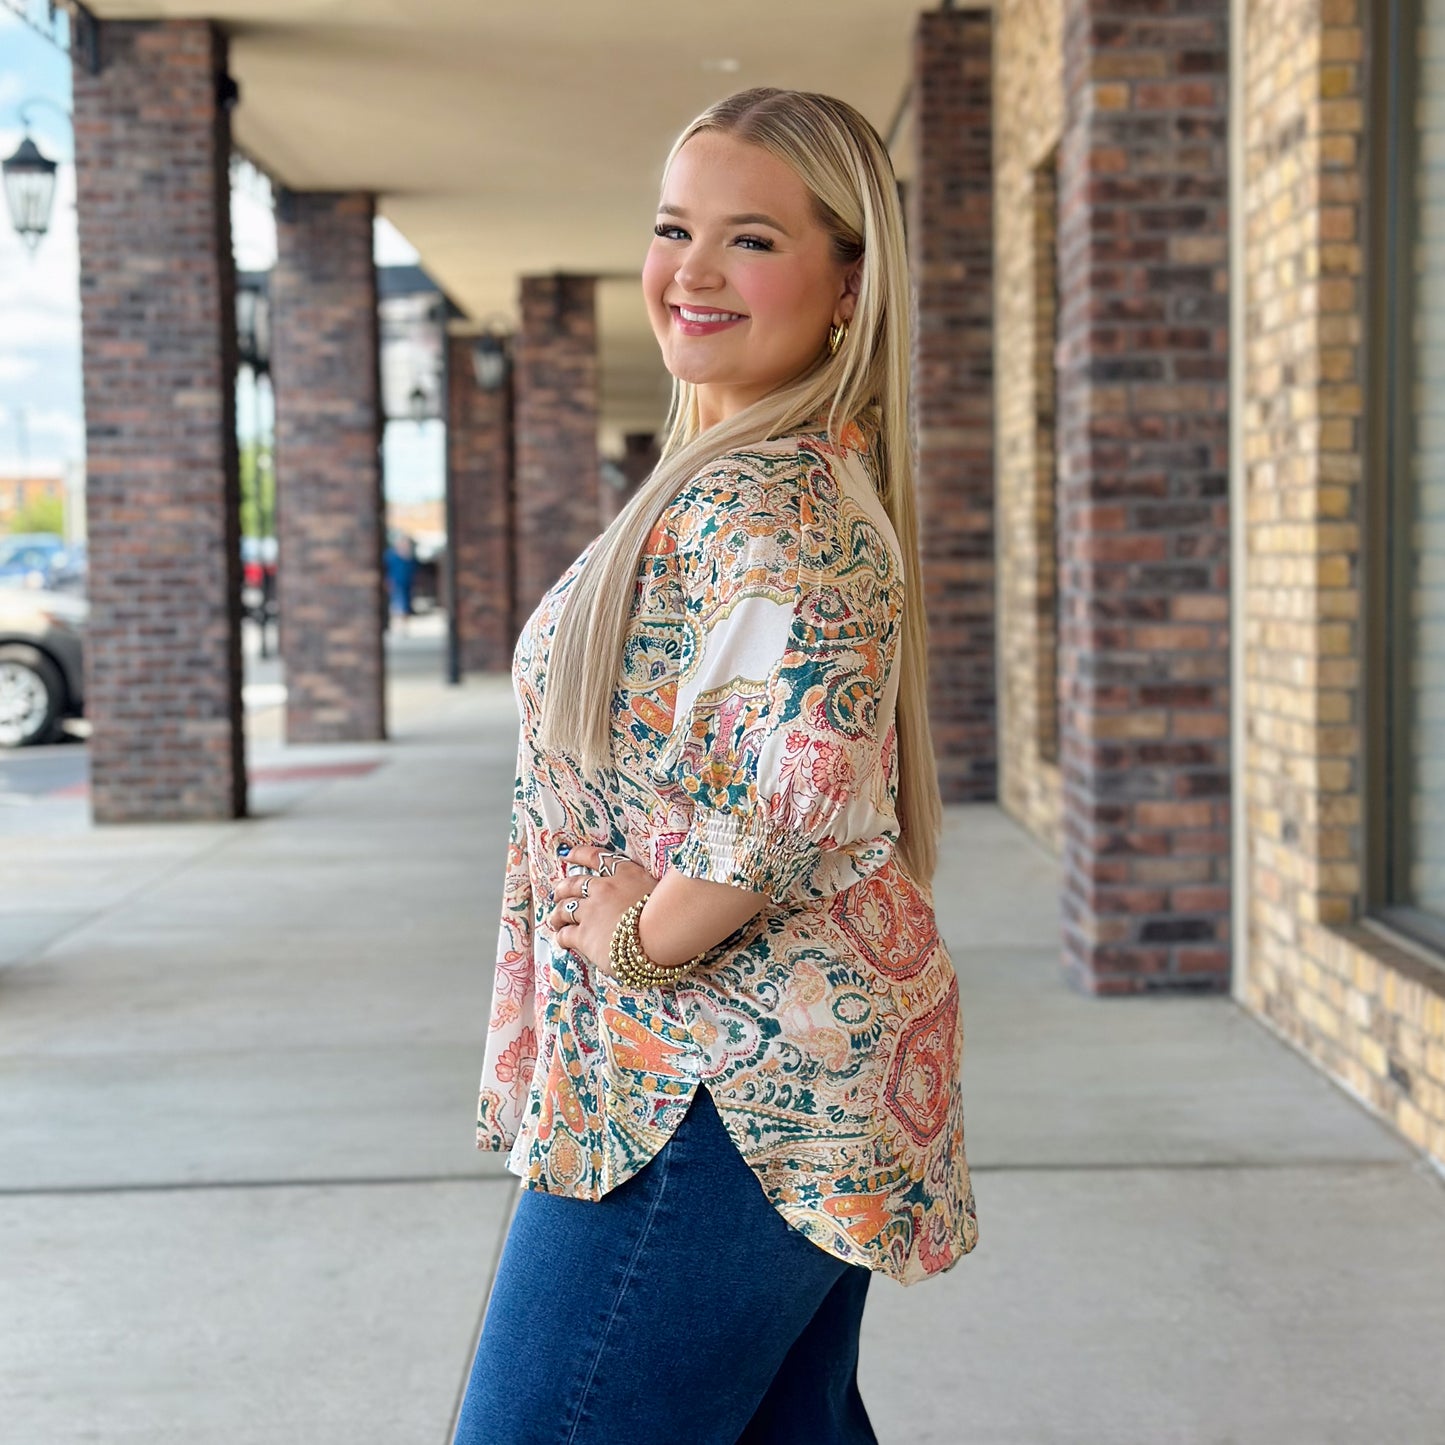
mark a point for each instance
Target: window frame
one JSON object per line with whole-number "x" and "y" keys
{"x": 1390, "y": 511}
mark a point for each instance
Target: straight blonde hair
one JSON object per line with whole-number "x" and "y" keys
{"x": 842, "y": 160}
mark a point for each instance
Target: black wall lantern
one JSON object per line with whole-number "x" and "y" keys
{"x": 253, "y": 320}
{"x": 30, "y": 178}
{"x": 489, "y": 362}
{"x": 491, "y": 356}
{"x": 30, "y": 191}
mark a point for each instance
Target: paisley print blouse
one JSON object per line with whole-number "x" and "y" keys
{"x": 754, "y": 743}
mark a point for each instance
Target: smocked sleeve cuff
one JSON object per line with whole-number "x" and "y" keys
{"x": 747, "y": 850}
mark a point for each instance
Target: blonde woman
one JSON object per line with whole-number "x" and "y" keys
{"x": 725, "y": 1045}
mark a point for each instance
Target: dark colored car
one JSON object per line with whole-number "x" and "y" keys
{"x": 40, "y": 663}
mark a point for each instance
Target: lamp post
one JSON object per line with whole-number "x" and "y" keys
{"x": 253, "y": 345}
{"x": 29, "y": 177}
{"x": 430, "y": 397}
{"x": 420, "y": 408}
{"x": 427, "y": 401}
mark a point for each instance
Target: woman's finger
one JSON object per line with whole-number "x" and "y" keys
{"x": 589, "y": 855}
{"x": 574, "y": 884}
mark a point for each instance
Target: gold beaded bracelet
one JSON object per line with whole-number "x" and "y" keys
{"x": 629, "y": 959}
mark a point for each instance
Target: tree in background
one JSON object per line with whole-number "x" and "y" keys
{"x": 258, "y": 491}
{"x": 40, "y": 514}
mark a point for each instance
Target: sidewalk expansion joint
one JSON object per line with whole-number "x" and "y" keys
{"x": 186, "y": 1186}
{"x": 365, "y": 1181}
{"x": 1170, "y": 1166}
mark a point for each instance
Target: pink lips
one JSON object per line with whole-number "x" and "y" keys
{"x": 700, "y": 328}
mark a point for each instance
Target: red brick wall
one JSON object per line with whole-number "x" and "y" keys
{"x": 557, "y": 502}
{"x": 479, "y": 433}
{"x": 950, "y": 223}
{"x": 163, "y": 660}
{"x": 330, "y": 586}
{"x": 1143, "y": 494}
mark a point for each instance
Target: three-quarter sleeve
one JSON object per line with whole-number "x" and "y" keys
{"x": 782, "y": 742}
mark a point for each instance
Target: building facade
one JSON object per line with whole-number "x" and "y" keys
{"x": 1315, "y": 572}
{"x": 1180, "y": 284}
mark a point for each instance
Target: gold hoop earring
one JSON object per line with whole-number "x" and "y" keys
{"x": 835, "y": 337}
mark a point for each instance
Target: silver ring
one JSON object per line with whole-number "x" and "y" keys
{"x": 585, "y": 882}
{"x": 570, "y": 905}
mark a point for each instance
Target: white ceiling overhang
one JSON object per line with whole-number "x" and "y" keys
{"x": 505, "y": 139}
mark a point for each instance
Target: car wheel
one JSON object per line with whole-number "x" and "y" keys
{"x": 31, "y": 696}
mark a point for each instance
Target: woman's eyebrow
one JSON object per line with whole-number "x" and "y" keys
{"x": 748, "y": 218}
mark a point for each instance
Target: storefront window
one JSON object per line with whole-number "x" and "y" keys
{"x": 1408, "y": 545}
{"x": 1046, "y": 457}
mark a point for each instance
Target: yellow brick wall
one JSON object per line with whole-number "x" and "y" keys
{"x": 1373, "y": 1016}
{"x": 1028, "y": 117}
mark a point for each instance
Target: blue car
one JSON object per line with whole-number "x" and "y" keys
{"x": 32, "y": 559}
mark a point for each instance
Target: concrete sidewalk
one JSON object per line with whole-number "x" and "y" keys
{"x": 240, "y": 1204}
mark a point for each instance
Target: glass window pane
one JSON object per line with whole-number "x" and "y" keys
{"x": 1421, "y": 457}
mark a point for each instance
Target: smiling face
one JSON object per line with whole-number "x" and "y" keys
{"x": 740, "y": 280}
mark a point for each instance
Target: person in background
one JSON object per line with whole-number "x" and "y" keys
{"x": 400, "y": 561}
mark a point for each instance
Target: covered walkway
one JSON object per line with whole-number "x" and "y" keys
{"x": 240, "y": 1200}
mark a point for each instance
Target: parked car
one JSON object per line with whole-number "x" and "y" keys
{"x": 68, "y": 572}
{"x": 31, "y": 559}
{"x": 41, "y": 683}
{"x": 258, "y": 577}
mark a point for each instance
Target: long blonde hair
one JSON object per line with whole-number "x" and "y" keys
{"x": 844, "y": 163}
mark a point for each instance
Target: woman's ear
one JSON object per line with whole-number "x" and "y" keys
{"x": 848, "y": 301}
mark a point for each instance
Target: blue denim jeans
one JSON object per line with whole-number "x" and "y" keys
{"x": 679, "y": 1309}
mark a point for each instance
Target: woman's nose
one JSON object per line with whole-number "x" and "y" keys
{"x": 697, "y": 272}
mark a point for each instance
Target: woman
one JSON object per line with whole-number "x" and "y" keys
{"x": 731, "y": 1107}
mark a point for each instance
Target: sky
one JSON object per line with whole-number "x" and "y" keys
{"x": 40, "y": 410}
{"x": 42, "y": 428}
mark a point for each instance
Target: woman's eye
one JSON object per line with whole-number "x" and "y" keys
{"x": 662, "y": 228}
{"x": 761, "y": 241}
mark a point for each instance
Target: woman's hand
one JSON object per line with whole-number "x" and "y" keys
{"x": 588, "y": 930}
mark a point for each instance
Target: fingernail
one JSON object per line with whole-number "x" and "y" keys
{"x": 564, "y": 850}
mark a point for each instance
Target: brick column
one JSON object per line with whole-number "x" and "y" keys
{"x": 557, "y": 485}
{"x": 479, "y": 433}
{"x": 330, "y": 534}
{"x": 950, "y": 225}
{"x": 162, "y": 656}
{"x": 642, "y": 450}
{"x": 640, "y": 453}
{"x": 1143, "y": 495}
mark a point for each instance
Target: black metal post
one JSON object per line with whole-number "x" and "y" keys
{"x": 449, "y": 504}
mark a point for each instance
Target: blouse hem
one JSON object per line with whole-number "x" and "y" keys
{"x": 797, "y": 1216}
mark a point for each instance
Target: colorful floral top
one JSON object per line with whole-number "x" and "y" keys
{"x": 754, "y": 743}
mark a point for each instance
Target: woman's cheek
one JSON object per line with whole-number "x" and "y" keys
{"x": 772, "y": 292}
{"x": 656, "y": 274}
